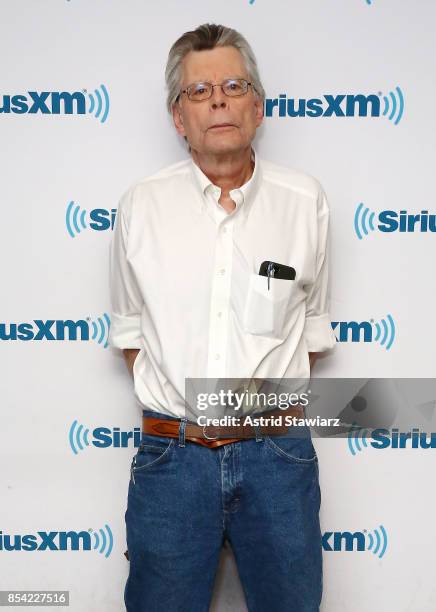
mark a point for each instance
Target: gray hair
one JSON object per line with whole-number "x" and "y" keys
{"x": 208, "y": 36}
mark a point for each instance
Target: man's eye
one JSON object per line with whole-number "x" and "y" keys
{"x": 199, "y": 89}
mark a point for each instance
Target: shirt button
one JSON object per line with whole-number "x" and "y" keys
{"x": 222, "y": 271}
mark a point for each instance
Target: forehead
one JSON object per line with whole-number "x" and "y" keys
{"x": 212, "y": 65}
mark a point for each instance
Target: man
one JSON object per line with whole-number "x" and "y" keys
{"x": 190, "y": 299}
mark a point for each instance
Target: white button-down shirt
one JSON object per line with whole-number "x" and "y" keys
{"x": 185, "y": 286}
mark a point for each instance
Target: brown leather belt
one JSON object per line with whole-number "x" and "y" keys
{"x": 205, "y": 435}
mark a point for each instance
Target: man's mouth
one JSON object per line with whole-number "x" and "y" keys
{"x": 221, "y": 126}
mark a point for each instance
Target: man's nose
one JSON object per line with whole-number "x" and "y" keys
{"x": 218, "y": 98}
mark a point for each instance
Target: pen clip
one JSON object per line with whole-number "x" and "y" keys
{"x": 270, "y": 271}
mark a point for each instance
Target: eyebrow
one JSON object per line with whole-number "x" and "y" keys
{"x": 225, "y": 79}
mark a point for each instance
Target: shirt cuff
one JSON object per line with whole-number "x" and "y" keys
{"x": 319, "y": 334}
{"x": 125, "y": 331}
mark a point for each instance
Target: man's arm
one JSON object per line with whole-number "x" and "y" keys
{"x": 318, "y": 332}
{"x": 125, "y": 295}
{"x": 312, "y": 359}
{"x": 130, "y": 356}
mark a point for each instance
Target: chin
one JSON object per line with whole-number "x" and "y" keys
{"x": 221, "y": 145}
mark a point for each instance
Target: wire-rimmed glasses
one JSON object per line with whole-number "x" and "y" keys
{"x": 197, "y": 92}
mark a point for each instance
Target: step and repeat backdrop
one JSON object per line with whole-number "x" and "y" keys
{"x": 349, "y": 87}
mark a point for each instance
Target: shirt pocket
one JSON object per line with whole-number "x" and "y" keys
{"x": 265, "y": 309}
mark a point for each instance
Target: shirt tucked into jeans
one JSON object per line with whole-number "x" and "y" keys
{"x": 185, "y": 285}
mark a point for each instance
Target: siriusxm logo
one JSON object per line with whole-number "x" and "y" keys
{"x": 342, "y": 105}
{"x": 366, "y": 331}
{"x": 99, "y": 219}
{"x": 360, "y": 438}
{"x": 392, "y": 221}
{"x": 63, "y": 329}
{"x": 58, "y": 103}
{"x": 375, "y": 541}
{"x": 100, "y": 541}
{"x": 102, "y": 437}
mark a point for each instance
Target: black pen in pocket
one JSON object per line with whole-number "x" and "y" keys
{"x": 270, "y": 271}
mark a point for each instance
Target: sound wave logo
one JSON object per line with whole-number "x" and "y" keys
{"x": 64, "y": 330}
{"x": 338, "y": 105}
{"x": 99, "y": 103}
{"x": 394, "y": 105}
{"x": 375, "y": 541}
{"x": 100, "y": 329}
{"x": 363, "y": 221}
{"x": 378, "y": 541}
{"x": 100, "y": 539}
{"x": 102, "y": 437}
{"x": 103, "y": 540}
{"x": 366, "y": 331}
{"x": 78, "y": 219}
{"x": 78, "y": 437}
{"x": 385, "y": 331}
{"x": 58, "y": 103}
{"x": 356, "y": 435}
{"x": 389, "y": 221}
{"x": 75, "y": 219}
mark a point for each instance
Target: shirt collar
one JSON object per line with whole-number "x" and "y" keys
{"x": 242, "y": 196}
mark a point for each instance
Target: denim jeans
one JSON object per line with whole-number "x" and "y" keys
{"x": 184, "y": 500}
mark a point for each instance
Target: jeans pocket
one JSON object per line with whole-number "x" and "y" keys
{"x": 294, "y": 449}
{"x": 152, "y": 451}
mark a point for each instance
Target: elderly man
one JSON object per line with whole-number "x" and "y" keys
{"x": 218, "y": 269}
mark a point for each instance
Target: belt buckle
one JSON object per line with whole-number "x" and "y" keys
{"x": 205, "y": 434}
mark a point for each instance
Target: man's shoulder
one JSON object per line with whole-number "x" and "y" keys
{"x": 291, "y": 178}
{"x": 177, "y": 169}
{"x": 173, "y": 172}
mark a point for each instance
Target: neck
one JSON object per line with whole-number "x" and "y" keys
{"x": 226, "y": 171}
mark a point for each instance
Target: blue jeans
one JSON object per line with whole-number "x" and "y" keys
{"x": 261, "y": 494}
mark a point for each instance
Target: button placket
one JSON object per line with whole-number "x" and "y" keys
{"x": 220, "y": 296}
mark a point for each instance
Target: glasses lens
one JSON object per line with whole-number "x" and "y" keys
{"x": 199, "y": 91}
{"x": 235, "y": 87}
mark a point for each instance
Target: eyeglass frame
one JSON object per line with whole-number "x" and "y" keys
{"x": 215, "y": 85}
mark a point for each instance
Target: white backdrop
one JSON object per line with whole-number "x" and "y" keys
{"x": 58, "y": 168}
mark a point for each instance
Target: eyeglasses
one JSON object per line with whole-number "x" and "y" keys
{"x": 203, "y": 90}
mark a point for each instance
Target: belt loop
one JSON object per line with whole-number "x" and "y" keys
{"x": 182, "y": 428}
{"x": 259, "y": 435}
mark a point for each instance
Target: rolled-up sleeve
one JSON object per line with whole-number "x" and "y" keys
{"x": 125, "y": 297}
{"x": 318, "y": 331}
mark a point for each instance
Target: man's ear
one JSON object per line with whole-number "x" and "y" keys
{"x": 258, "y": 104}
{"x": 178, "y": 119}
